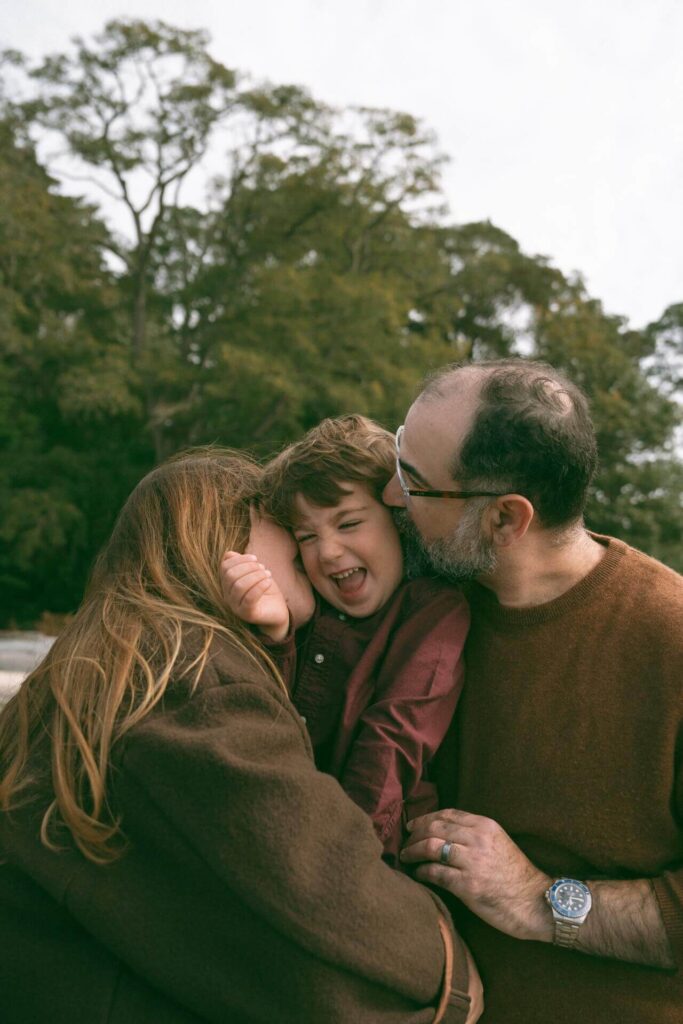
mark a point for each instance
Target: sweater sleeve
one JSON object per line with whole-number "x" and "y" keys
{"x": 668, "y": 886}
{"x": 228, "y": 777}
{"x": 402, "y": 727}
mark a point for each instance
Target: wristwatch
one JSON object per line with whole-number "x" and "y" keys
{"x": 570, "y": 902}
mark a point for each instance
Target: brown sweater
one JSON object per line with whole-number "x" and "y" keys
{"x": 253, "y": 889}
{"x": 568, "y": 734}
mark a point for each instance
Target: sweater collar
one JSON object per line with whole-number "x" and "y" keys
{"x": 484, "y": 601}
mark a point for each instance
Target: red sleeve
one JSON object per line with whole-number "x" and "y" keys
{"x": 401, "y": 729}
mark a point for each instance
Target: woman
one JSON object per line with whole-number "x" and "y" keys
{"x": 169, "y": 854}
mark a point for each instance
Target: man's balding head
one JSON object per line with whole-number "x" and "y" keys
{"x": 530, "y": 433}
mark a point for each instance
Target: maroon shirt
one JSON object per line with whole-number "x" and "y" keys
{"x": 378, "y": 695}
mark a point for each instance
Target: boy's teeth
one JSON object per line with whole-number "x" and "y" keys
{"x": 350, "y": 581}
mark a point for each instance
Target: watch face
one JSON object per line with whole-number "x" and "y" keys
{"x": 570, "y": 898}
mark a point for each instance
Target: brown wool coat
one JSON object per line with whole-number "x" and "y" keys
{"x": 252, "y": 890}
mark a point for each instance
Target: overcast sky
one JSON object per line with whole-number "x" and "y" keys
{"x": 563, "y": 122}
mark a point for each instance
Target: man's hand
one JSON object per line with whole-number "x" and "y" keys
{"x": 485, "y": 870}
{"x": 250, "y": 591}
{"x": 491, "y": 875}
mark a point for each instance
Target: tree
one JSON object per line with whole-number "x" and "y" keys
{"x": 320, "y": 275}
{"x": 637, "y": 495}
{"x": 136, "y": 110}
{"x": 68, "y": 401}
{"x": 664, "y": 364}
{"x": 297, "y": 280}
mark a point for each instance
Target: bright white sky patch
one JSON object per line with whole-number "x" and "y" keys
{"x": 562, "y": 121}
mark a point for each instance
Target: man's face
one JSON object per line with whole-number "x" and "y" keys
{"x": 448, "y": 531}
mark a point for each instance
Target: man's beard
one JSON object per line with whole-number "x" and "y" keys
{"x": 463, "y": 555}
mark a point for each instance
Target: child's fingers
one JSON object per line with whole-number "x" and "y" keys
{"x": 238, "y": 570}
{"x": 238, "y": 581}
{"x": 234, "y": 569}
{"x": 231, "y": 559}
{"x": 253, "y": 592}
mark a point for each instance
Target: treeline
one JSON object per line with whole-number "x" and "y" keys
{"x": 319, "y": 275}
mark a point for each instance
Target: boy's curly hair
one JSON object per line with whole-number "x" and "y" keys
{"x": 344, "y": 449}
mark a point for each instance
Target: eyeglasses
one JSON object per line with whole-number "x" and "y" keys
{"x": 409, "y": 492}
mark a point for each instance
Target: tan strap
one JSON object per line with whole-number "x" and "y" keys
{"x": 447, "y": 969}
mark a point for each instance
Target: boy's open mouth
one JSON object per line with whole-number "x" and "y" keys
{"x": 350, "y": 580}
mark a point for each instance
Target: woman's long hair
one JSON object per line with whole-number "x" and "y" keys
{"x": 155, "y": 581}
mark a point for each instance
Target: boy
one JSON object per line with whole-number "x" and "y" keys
{"x": 377, "y": 672}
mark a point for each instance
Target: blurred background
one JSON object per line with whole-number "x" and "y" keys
{"x": 226, "y": 224}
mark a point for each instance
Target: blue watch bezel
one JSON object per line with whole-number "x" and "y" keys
{"x": 563, "y": 911}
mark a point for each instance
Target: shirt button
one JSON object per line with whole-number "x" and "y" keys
{"x": 303, "y": 718}
{"x": 318, "y": 658}
{"x": 342, "y": 616}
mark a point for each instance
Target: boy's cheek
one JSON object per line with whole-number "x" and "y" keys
{"x": 308, "y": 562}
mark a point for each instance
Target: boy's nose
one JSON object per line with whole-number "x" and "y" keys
{"x": 330, "y": 548}
{"x": 392, "y": 495}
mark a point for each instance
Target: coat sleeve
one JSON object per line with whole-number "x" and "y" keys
{"x": 224, "y": 787}
{"x": 407, "y": 717}
{"x": 284, "y": 655}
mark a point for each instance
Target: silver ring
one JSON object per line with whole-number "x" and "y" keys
{"x": 445, "y": 851}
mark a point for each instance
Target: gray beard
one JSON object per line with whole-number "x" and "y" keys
{"x": 463, "y": 555}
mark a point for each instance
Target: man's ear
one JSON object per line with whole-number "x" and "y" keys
{"x": 509, "y": 517}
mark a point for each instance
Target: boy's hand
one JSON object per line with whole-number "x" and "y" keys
{"x": 253, "y": 595}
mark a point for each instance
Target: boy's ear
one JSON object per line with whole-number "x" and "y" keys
{"x": 508, "y": 518}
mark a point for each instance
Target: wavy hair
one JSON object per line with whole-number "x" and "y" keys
{"x": 338, "y": 451}
{"x": 155, "y": 585}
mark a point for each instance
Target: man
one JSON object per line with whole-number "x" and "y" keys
{"x": 564, "y": 762}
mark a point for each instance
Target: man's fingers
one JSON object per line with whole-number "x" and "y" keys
{"x": 439, "y": 874}
{"x": 467, "y": 831}
{"x": 432, "y": 849}
{"x": 448, "y": 814}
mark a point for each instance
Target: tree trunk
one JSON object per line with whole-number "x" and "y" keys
{"x": 139, "y": 318}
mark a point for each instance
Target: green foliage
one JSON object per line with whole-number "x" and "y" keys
{"x": 637, "y": 495}
{"x": 61, "y": 418}
{"x": 136, "y": 110}
{"x": 320, "y": 276}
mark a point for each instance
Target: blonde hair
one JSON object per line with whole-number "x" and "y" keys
{"x": 346, "y": 449}
{"x": 155, "y": 584}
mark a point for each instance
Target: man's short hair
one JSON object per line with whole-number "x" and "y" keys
{"x": 346, "y": 449}
{"x": 532, "y": 434}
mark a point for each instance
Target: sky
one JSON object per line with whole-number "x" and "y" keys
{"x": 563, "y": 122}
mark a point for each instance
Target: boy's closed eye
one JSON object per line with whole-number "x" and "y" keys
{"x": 350, "y": 524}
